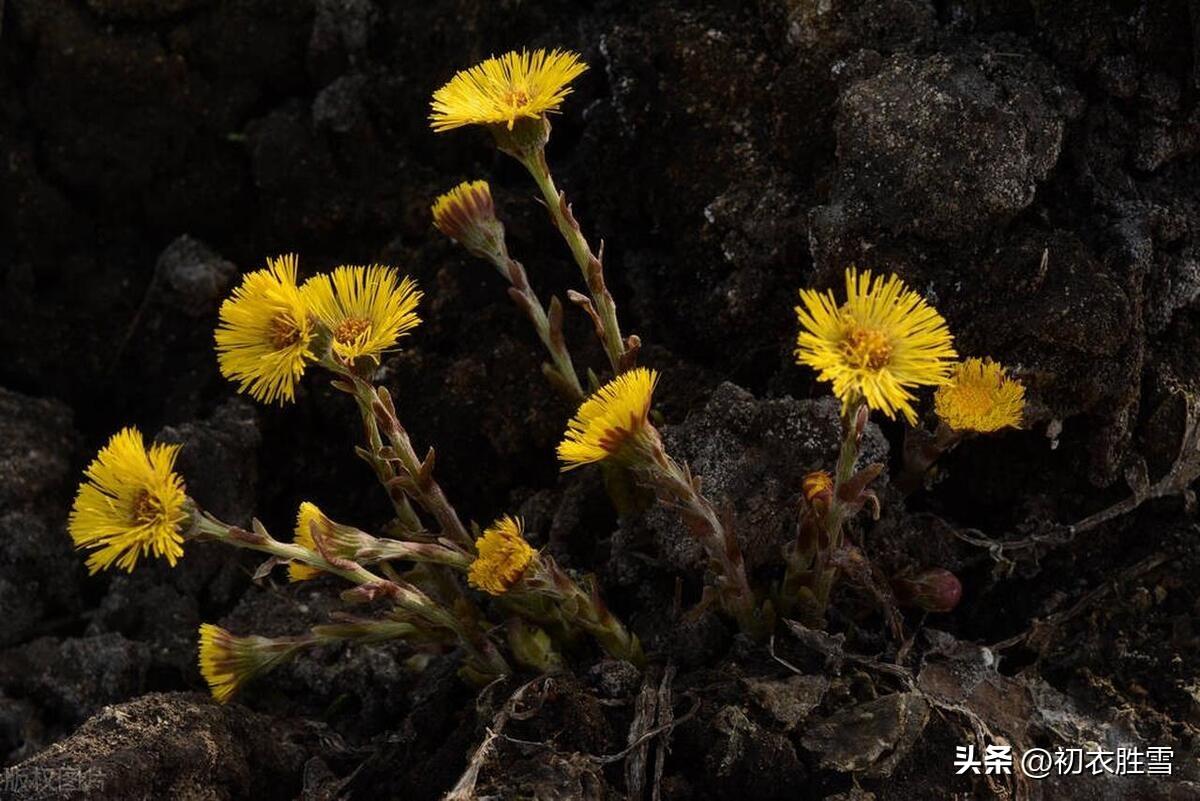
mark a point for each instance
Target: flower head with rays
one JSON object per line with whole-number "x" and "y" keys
{"x": 504, "y": 555}
{"x": 503, "y": 90}
{"x": 878, "y": 345}
{"x": 614, "y": 423}
{"x": 132, "y": 504}
{"x": 980, "y": 397}
{"x": 467, "y": 215}
{"x": 265, "y": 333}
{"x": 228, "y": 662}
{"x": 365, "y": 309}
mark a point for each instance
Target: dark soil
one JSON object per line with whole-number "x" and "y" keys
{"x": 1031, "y": 165}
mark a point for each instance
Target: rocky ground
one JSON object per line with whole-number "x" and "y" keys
{"x": 1031, "y": 165}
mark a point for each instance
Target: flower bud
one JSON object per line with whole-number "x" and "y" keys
{"x": 817, "y": 486}
{"x": 467, "y": 215}
{"x": 934, "y": 590}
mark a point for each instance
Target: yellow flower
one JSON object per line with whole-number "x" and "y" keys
{"x": 502, "y": 90}
{"x": 615, "y": 417}
{"x": 467, "y": 215}
{"x": 816, "y": 485}
{"x": 980, "y": 397}
{"x": 337, "y": 540}
{"x": 503, "y": 557}
{"x": 882, "y": 342}
{"x": 265, "y": 333}
{"x": 308, "y": 516}
{"x": 365, "y": 309}
{"x": 227, "y": 661}
{"x": 132, "y": 504}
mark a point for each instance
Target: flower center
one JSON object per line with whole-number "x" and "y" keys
{"x": 516, "y": 98}
{"x": 284, "y": 332}
{"x": 866, "y": 348}
{"x": 146, "y": 508}
{"x": 972, "y": 401}
{"x": 350, "y": 329}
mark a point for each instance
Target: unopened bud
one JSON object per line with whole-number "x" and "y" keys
{"x": 934, "y": 590}
{"x": 467, "y": 215}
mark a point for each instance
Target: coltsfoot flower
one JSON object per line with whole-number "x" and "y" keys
{"x": 980, "y": 397}
{"x": 467, "y": 215}
{"x": 877, "y": 346}
{"x": 613, "y": 423}
{"x": 500, "y": 91}
{"x": 132, "y": 504}
{"x": 228, "y": 662}
{"x": 308, "y": 516}
{"x": 817, "y": 486}
{"x": 365, "y": 309}
{"x": 265, "y": 333}
{"x": 503, "y": 557}
{"x": 338, "y": 540}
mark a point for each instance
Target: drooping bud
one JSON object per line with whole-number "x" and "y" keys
{"x": 467, "y": 215}
{"x": 934, "y": 590}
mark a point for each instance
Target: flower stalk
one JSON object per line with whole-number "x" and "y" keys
{"x": 601, "y": 308}
{"x": 423, "y": 611}
{"x": 467, "y": 215}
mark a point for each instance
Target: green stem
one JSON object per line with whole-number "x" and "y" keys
{"x": 589, "y": 263}
{"x": 421, "y": 485}
{"x": 406, "y": 597}
{"x": 550, "y": 334}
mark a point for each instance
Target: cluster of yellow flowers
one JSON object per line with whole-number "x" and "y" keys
{"x": 876, "y": 348}
{"x": 885, "y": 340}
{"x": 272, "y": 329}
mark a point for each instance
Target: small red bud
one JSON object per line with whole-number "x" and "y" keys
{"x": 934, "y": 590}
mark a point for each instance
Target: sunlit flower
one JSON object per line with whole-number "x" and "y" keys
{"x": 980, "y": 397}
{"x": 365, "y": 309}
{"x": 265, "y": 333}
{"x": 228, "y": 662}
{"x": 503, "y": 557}
{"x": 612, "y": 422}
{"x": 132, "y": 504}
{"x": 502, "y": 90}
{"x": 883, "y": 341}
{"x": 467, "y": 215}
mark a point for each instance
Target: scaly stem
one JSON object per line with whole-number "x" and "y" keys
{"x": 547, "y": 323}
{"x": 590, "y": 265}
{"x": 826, "y": 572}
{"x": 584, "y": 609}
{"x": 417, "y": 479}
{"x": 384, "y": 472}
{"x": 675, "y": 483}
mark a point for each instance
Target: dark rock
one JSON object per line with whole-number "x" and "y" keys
{"x": 752, "y": 455}
{"x": 613, "y": 678}
{"x": 70, "y": 679}
{"x": 40, "y": 576}
{"x": 219, "y": 460}
{"x": 191, "y": 278}
{"x": 171, "y": 745}
{"x": 38, "y": 447}
{"x": 996, "y": 129}
{"x": 744, "y": 757}
{"x": 39, "y": 572}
